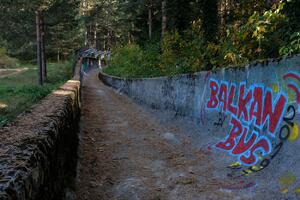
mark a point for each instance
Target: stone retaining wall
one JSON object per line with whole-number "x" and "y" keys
{"x": 38, "y": 150}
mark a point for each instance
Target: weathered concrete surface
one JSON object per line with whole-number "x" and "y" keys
{"x": 128, "y": 153}
{"x": 187, "y": 94}
{"x": 275, "y": 173}
{"x": 38, "y": 150}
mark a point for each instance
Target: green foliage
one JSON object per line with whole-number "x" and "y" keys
{"x": 135, "y": 62}
{"x": 131, "y": 61}
{"x": 171, "y": 52}
{"x": 184, "y": 53}
{"x": 19, "y": 92}
{"x": 125, "y": 60}
{"x": 180, "y": 54}
{"x": 262, "y": 35}
{"x": 202, "y": 35}
{"x": 292, "y": 46}
{"x": 291, "y": 10}
{"x": 63, "y": 33}
{"x": 18, "y": 25}
{"x": 6, "y": 61}
{"x": 18, "y": 99}
{"x": 193, "y": 53}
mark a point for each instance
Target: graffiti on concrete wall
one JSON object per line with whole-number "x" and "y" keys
{"x": 261, "y": 120}
{"x": 256, "y": 107}
{"x": 221, "y": 119}
{"x": 288, "y": 131}
{"x": 293, "y": 86}
{"x": 202, "y": 108}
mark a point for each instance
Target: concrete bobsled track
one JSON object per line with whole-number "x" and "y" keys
{"x": 248, "y": 120}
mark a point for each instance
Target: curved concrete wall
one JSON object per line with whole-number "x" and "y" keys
{"x": 247, "y": 115}
{"x": 187, "y": 94}
{"x": 39, "y": 148}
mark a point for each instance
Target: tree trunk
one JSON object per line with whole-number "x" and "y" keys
{"x": 90, "y": 40}
{"x": 39, "y": 47}
{"x": 95, "y": 36}
{"x": 150, "y": 20}
{"x": 98, "y": 41}
{"x": 86, "y": 38}
{"x": 58, "y": 56}
{"x": 224, "y": 14}
{"x": 164, "y": 18}
{"x": 210, "y": 20}
{"x": 222, "y": 11}
{"x": 43, "y": 55}
{"x": 129, "y": 37}
{"x": 108, "y": 40}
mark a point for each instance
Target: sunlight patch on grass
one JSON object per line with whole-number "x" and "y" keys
{"x": 3, "y": 105}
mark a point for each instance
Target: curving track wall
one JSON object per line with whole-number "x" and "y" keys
{"x": 247, "y": 117}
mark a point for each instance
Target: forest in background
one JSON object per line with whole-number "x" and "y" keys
{"x": 154, "y": 37}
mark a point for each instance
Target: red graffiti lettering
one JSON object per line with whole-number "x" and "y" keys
{"x": 235, "y": 132}
{"x": 231, "y": 108}
{"x": 256, "y": 106}
{"x": 243, "y": 101}
{"x": 273, "y": 115}
{"x": 262, "y": 145}
{"x": 214, "y": 88}
{"x": 251, "y": 105}
{"x": 243, "y": 146}
{"x": 223, "y": 96}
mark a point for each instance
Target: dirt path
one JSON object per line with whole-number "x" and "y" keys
{"x": 11, "y": 72}
{"x": 126, "y": 153}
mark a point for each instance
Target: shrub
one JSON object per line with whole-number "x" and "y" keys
{"x": 265, "y": 34}
{"x": 6, "y": 61}
{"x": 131, "y": 61}
{"x": 259, "y": 38}
{"x": 292, "y": 46}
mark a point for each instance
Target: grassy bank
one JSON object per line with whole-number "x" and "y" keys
{"x": 20, "y": 91}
